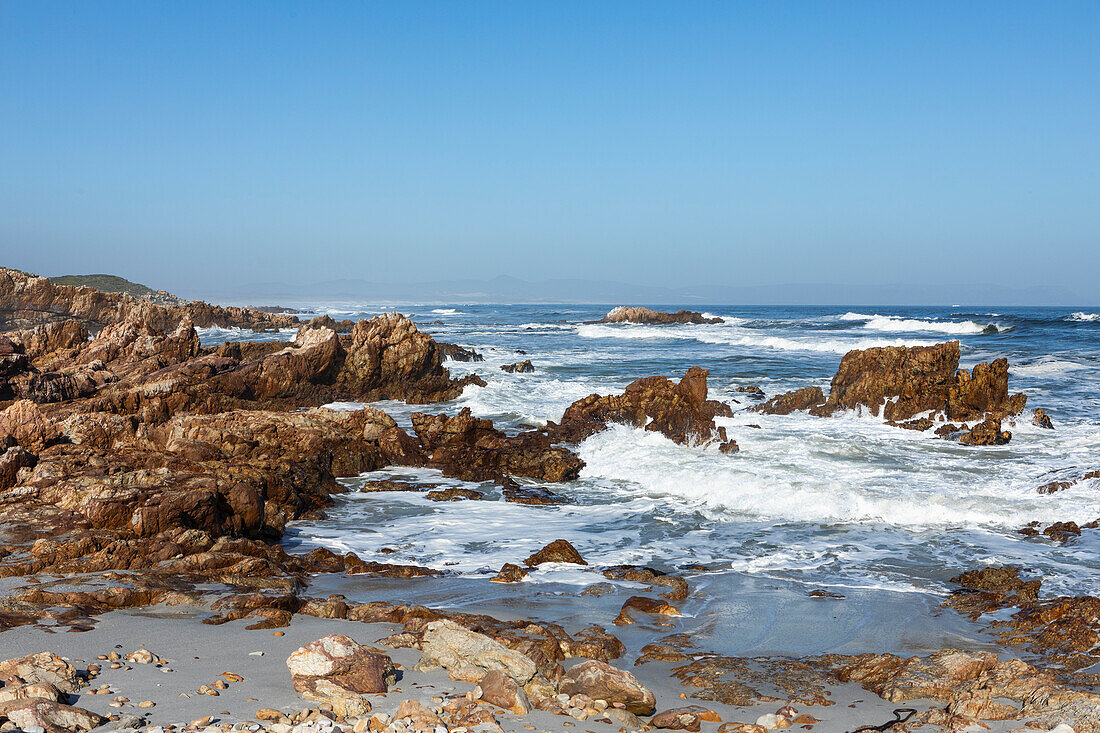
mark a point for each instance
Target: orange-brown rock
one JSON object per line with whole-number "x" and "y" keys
{"x": 638, "y": 314}
{"x": 788, "y": 402}
{"x": 472, "y": 449}
{"x": 27, "y": 300}
{"x": 904, "y": 381}
{"x": 679, "y": 411}
{"x": 987, "y": 432}
{"x": 556, "y": 551}
{"x": 1040, "y": 417}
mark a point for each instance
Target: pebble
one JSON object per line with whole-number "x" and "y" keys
{"x": 255, "y": 654}
{"x": 147, "y": 704}
{"x": 232, "y": 677}
{"x": 221, "y": 684}
{"x": 202, "y": 722}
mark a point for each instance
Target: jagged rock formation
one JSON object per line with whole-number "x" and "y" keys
{"x": 679, "y": 411}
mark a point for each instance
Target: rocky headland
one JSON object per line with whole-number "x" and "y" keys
{"x": 143, "y": 473}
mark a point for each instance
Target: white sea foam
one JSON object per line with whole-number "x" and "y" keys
{"x": 897, "y": 324}
{"x": 1046, "y": 366}
{"x": 735, "y": 336}
{"x": 445, "y": 311}
{"x": 217, "y": 334}
{"x": 1082, "y": 316}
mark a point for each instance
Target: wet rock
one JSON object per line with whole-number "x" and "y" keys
{"x": 453, "y": 647}
{"x": 1039, "y": 417}
{"x": 472, "y": 449}
{"x": 641, "y": 604}
{"x": 531, "y": 495}
{"x": 677, "y": 586}
{"x": 788, "y": 402}
{"x": 453, "y": 493}
{"x": 920, "y": 424}
{"x": 594, "y": 642}
{"x": 337, "y": 670}
{"x": 990, "y": 589}
{"x": 679, "y": 411}
{"x": 987, "y": 432}
{"x": 509, "y": 573}
{"x": 1062, "y": 531}
{"x": 752, "y": 391}
{"x": 601, "y": 681}
{"x": 520, "y": 367}
{"x": 556, "y": 551}
{"x": 904, "y": 381}
{"x": 458, "y": 353}
{"x": 498, "y": 689}
{"x": 637, "y": 314}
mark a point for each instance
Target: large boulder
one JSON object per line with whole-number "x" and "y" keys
{"x": 49, "y": 715}
{"x": 904, "y": 381}
{"x": 678, "y": 410}
{"x": 44, "y": 668}
{"x": 338, "y": 670}
{"x": 26, "y": 424}
{"x": 456, "y": 649}
{"x": 601, "y": 681}
{"x": 556, "y": 551}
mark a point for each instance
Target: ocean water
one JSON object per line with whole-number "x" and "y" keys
{"x": 846, "y": 504}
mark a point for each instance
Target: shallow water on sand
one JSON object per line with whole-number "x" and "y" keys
{"x": 847, "y": 504}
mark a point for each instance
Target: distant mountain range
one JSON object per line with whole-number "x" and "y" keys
{"x": 506, "y": 289}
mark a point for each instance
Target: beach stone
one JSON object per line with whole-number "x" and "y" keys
{"x": 42, "y": 667}
{"x": 740, "y": 728}
{"x": 556, "y": 551}
{"x": 53, "y": 717}
{"x": 142, "y": 656}
{"x": 338, "y": 670}
{"x": 498, "y": 689}
{"x": 129, "y": 721}
{"x": 421, "y": 717}
{"x": 621, "y": 717}
{"x": 30, "y": 691}
{"x": 448, "y": 645}
{"x": 688, "y": 718}
{"x": 600, "y": 680}
{"x": 644, "y": 605}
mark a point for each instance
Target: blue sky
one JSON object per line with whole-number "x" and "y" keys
{"x": 195, "y": 145}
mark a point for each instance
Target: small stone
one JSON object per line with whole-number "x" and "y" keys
{"x": 202, "y": 722}
{"x": 147, "y": 704}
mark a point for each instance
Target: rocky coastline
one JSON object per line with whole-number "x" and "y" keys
{"x": 144, "y": 473}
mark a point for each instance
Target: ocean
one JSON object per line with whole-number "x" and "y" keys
{"x": 849, "y": 505}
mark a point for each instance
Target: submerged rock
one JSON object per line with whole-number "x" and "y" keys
{"x": 788, "y": 402}
{"x": 520, "y": 367}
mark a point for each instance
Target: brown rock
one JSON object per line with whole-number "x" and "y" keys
{"x": 601, "y": 681}
{"x": 644, "y": 605}
{"x": 52, "y": 716}
{"x": 987, "y": 432}
{"x": 25, "y": 422}
{"x": 509, "y": 573}
{"x": 556, "y": 551}
{"x": 788, "y": 402}
{"x": 472, "y": 449}
{"x": 637, "y": 314}
{"x": 1039, "y": 417}
{"x": 520, "y": 367}
{"x": 338, "y": 670}
{"x": 454, "y": 493}
{"x": 498, "y": 689}
{"x": 458, "y": 353}
{"x": 679, "y": 411}
{"x": 42, "y": 668}
{"x": 688, "y": 718}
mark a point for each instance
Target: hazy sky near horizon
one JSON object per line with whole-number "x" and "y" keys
{"x": 198, "y": 144}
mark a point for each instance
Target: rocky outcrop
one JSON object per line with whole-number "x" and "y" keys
{"x": 28, "y": 300}
{"x": 520, "y": 367}
{"x": 472, "y": 449}
{"x": 987, "y": 432}
{"x": 788, "y": 402}
{"x": 638, "y": 314}
{"x": 1040, "y": 418}
{"x": 458, "y": 353}
{"x": 903, "y": 382}
{"x": 679, "y": 411}
{"x": 457, "y": 649}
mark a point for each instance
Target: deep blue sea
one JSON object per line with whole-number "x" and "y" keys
{"x": 847, "y": 504}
